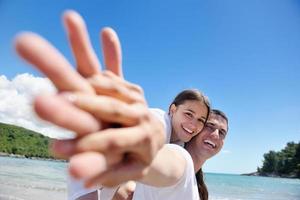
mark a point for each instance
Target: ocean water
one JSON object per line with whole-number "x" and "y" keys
{"x": 236, "y": 187}
{"x": 25, "y": 179}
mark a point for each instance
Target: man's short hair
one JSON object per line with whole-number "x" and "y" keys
{"x": 219, "y": 112}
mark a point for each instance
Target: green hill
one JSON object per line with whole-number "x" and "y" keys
{"x": 20, "y": 141}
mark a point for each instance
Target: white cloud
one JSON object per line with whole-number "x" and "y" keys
{"x": 225, "y": 152}
{"x": 16, "y": 104}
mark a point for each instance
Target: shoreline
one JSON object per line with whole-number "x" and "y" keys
{"x": 2, "y": 154}
{"x": 270, "y": 175}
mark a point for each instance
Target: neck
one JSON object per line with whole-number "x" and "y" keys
{"x": 174, "y": 138}
{"x": 198, "y": 159}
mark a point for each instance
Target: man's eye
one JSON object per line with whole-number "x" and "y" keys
{"x": 223, "y": 133}
{"x": 210, "y": 126}
{"x": 189, "y": 114}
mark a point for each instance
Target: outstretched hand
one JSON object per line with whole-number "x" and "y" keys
{"x": 90, "y": 102}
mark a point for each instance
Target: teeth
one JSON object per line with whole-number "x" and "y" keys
{"x": 188, "y": 130}
{"x": 210, "y": 143}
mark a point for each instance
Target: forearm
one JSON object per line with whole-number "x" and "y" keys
{"x": 166, "y": 169}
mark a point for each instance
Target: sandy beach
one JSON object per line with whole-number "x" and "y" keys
{"x": 22, "y": 192}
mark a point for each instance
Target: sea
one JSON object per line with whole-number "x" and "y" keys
{"x": 27, "y": 179}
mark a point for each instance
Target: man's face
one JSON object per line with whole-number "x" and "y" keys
{"x": 211, "y": 139}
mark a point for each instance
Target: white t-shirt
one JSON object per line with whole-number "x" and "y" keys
{"x": 185, "y": 188}
{"x": 77, "y": 189}
{"x": 164, "y": 117}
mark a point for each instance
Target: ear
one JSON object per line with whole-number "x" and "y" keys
{"x": 173, "y": 109}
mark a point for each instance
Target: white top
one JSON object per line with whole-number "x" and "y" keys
{"x": 164, "y": 117}
{"x": 77, "y": 189}
{"x": 185, "y": 188}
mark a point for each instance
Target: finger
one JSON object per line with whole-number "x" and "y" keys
{"x": 60, "y": 112}
{"x": 117, "y": 79}
{"x": 41, "y": 54}
{"x": 90, "y": 164}
{"x": 38, "y": 52}
{"x": 62, "y": 149}
{"x": 112, "y": 51}
{"x": 125, "y": 171}
{"x": 107, "y": 109}
{"x": 120, "y": 140}
{"x": 86, "y": 58}
{"x": 120, "y": 89}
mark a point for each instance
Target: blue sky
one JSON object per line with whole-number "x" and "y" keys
{"x": 245, "y": 55}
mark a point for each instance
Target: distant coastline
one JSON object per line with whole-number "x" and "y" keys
{"x": 272, "y": 175}
{"x": 2, "y": 154}
{"x": 281, "y": 164}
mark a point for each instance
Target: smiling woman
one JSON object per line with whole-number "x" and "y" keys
{"x": 188, "y": 113}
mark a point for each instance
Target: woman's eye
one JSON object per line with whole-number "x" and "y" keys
{"x": 201, "y": 120}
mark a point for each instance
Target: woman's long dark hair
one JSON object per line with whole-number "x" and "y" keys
{"x": 202, "y": 189}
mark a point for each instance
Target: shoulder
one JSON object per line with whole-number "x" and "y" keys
{"x": 185, "y": 187}
{"x": 189, "y": 166}
{"x": 164, "y": 118}
{"x": 157, "y": 112}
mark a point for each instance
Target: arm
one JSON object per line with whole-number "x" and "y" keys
{"x": 145, "y": 138}
{"x": 166, "y": 169}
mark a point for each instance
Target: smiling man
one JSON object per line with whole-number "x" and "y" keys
{"x": 211, "y": 139}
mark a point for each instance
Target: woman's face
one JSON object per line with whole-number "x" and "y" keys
{"x": 211, "y": 139}
{"x": 187, "y": 119}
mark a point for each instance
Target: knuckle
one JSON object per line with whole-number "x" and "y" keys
{"x": 80, "y": 146}
{"x": 113, "y": 144}
{"x": 115, "y": 109}
{"x": 147, "y": 138}
{"x": 137, "y": 97}
{"x": 136, "y": 88}
{"x": 143, "y": 112}
{"x": 108, "y": 73}
{"x": 114, "y": 88}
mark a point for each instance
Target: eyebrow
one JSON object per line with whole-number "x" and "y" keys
{"x": 190, "y": 110}
{"x": 214, "y": 124}
{"x": 202, "y": 117}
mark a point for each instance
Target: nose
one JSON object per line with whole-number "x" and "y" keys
{"x": 191, "y": 124}
{"x": 215, "y": 133}
{"x": 194, "y": 125}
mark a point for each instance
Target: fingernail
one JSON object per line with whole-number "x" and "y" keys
{"x": 69, "y": 96}
{"x": 63, "y": 147}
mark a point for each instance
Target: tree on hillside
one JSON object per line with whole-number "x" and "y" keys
{"x": 270, "y": 162}
{"x": 283, "y": 163}
{"x": 297, "y": 160}
{"x": 286, "y": 159}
